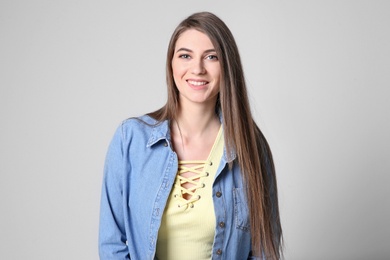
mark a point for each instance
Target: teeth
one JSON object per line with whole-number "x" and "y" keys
{"x": 197, "y": 83}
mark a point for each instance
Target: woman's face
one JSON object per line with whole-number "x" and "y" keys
{"x": 196, "y": 69}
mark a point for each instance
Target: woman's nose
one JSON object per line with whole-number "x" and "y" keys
{"x": 198, "y": 67}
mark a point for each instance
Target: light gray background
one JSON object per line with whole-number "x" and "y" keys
{"x": 318, "y": 76}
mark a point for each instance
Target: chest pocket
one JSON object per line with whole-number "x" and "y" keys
{"x": 241, "y": 210}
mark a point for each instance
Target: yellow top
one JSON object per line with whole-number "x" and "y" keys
{"x": 188, "y": 224}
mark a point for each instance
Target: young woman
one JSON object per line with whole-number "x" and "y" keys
{"x": 194, "y": 179}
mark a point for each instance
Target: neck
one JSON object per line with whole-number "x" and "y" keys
{"x": 196, "y": 120}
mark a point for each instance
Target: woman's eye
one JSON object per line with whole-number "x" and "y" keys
{"x": 212, "y": 57}
{"x": 184, "y": 56}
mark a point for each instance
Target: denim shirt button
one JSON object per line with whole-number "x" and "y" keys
{"x": 222, "y": 224}
{"x": 218, "y": 194}
{"x": 219, "y": 252}
{"x": 165, "y": 144}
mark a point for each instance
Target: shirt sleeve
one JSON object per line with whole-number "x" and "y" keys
{"x": 112, "y": 234}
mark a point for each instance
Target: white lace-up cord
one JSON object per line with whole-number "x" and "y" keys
{"x": 197, "y": 168}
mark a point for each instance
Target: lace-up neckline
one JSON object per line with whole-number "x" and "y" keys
{"x": 188, "y": 180}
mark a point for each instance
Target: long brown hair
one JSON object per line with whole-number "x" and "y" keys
{"x": 241, "y": 133}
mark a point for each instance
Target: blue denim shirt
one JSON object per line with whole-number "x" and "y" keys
{"x": 139, "y": 172}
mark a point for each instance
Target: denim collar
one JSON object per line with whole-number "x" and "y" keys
{"x": 161, "y": 131}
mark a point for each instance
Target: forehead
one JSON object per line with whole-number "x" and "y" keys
{"x": 194, "y": 40}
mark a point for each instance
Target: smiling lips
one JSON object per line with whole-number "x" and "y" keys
{"x": 197, "y": 84}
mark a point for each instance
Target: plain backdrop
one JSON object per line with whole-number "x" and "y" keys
{"x": 318, "y": 74}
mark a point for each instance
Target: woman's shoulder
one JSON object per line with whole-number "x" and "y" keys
{"x": 139, "y": 122}
{"x": 144, "y": 120}
{"x": 144, "y": 124}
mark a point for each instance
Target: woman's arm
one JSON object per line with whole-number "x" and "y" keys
{"x": 112, "y": 235}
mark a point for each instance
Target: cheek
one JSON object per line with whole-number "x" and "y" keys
{"x": 177, "y": 69}
{"x": 215, "y": 71}
{"x": 176, "y": 74}
{"x": 177, "y": 78}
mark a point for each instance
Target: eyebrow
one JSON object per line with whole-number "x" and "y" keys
{"x": 188, "y": 50}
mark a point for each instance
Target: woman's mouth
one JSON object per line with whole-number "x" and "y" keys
{"x": 197, "y": 83}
